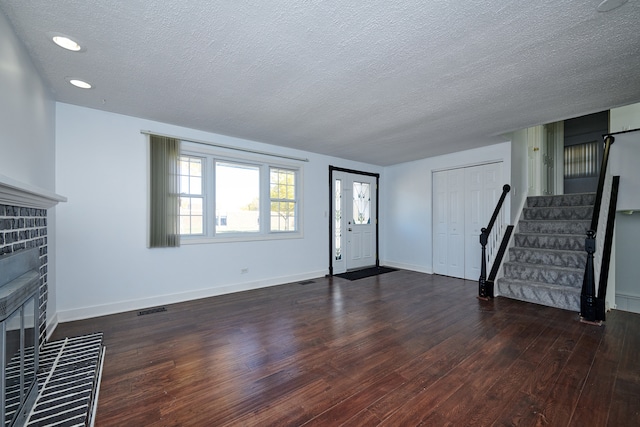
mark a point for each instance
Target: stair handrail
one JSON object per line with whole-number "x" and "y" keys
{"x": 592, "y": 307}
{"x": 485, "y": 288}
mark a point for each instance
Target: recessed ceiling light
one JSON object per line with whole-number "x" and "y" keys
{"x": 80, "y": 83}
{"x": 608, "y": 5}
{"x": 67, "y": 43}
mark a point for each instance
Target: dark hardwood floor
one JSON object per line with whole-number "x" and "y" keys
{"x": 399, "y": 349}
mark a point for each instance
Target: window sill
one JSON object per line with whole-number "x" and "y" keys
{"x": 184, "y": 240}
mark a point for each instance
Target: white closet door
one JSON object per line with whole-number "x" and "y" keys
{"x": 463, "y": 201}
{"x": 483, "y": 187}
{"x": 448, "y": 223}
{"x": 456, "y": 223}
{"x": 440, "y": 233}
{"x": 474, "y": 220}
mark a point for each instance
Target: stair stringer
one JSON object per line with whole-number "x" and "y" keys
{"x": 496, "y": 290}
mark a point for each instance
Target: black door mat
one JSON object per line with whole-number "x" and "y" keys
{"x": 68, "y": 382}
{"x": 365, "y": 272}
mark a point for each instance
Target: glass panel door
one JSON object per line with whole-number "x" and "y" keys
{"x": 30, "y": 345}
{"x": 13, "y": 383}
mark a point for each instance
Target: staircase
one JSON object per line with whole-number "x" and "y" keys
{"x": 546, "y": 265}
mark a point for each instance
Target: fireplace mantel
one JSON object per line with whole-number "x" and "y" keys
{"x": 16, "y": 193}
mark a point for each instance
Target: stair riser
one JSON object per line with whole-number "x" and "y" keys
{"x": 544, "y": 274}
{"x": 565, "y": 200}
{"x": 562, "y": 213}
{"x": 568, "y": 299}
{"x": 554, "y": 227}
{"x": 568, "y": 243}
{"x": 573, "y": 259}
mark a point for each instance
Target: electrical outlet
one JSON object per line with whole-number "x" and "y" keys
{"x": 244, "y": 270}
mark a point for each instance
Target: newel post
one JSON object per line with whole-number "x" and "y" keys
{"x": 588, "y": 295}
{"x": 485, "y": 291}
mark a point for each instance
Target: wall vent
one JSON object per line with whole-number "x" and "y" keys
{"x": 151, "y": 311}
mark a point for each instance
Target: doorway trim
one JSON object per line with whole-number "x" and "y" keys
{"x": 331, "y": 236}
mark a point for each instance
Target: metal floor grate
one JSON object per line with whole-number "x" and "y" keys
{"x": 151, "y": 311}
{"x": 68, "y": 382}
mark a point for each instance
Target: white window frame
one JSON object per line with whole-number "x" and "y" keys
{"x": 211, "y": 155}
{"x": 194, "y": 195}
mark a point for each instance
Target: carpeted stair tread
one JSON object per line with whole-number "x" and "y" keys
{"x": 557, "y": 226}
{"x": 562, "y": 276}
{"x": 546, "y": 263}
{"x": 552, "y": 257}
{"x": 565, "y": 297}
{"x": 580, "y": 199}
{"x": 558, "y": 213}
{"x": 568, "y": 242}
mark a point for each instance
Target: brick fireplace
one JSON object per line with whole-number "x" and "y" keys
{"x": 24, "y": 290}
{"x": 26, "y": 228}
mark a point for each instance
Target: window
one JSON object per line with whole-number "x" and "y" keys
{"x": 361, "y": 203}
{"x": 282, "y": 190}
{"x": 582, "y": 160}
{"x": 191, "y": 196}
{"x": 237, "y": 198}
{"x": 223, "y": 198}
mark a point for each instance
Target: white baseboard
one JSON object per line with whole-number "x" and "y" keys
{"x": 142, "y": 303}
{"x": 628, "y": 302}
{"x": 418, "y": 268}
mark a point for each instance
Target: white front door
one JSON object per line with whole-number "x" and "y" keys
{"x": 354, "y": 221}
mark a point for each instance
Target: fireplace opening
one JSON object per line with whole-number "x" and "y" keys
{"x": 19, "y": 289}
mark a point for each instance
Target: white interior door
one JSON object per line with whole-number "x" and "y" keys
{"x": 354, "y": 219}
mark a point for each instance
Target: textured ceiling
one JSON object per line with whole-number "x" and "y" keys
{"x": 381, "y": 82}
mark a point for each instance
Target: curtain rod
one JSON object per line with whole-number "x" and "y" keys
{"x": 229, "y": 147}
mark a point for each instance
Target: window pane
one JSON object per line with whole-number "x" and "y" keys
{"x": 195, "y": 185}
{"x": 196, "y": 225}
{"x": 283, "y": 216}
{"x": 283, "y": 199}
{"x": 237, "y": 197}
{"x": 361, "y": 203}
{"x": 190, "y": 171}
{"x": 191, "y": 215}
{"x": 185, "y": 224}
{"x": 195, "y": 167}
{"x": 184, "y": 184}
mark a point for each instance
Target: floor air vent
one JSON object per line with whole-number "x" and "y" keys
{"x": 151, "y": 311}
{"x": 306, "y": 282}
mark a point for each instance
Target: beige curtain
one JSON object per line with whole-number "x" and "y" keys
{"x": 164, "y": 198}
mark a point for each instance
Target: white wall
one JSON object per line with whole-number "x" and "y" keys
{"x": 624, "y": 157}
{"x": 625, "y": 153}
{"x": 624, "y": 118}
{"x": 406, "y": 192}
{"x": 27, "y": 116}
{"x": 627, "y": 287}
{"x": 519, "y": 172}
{"x": 27, "y": 132}
{"x": 104, "y": 265}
